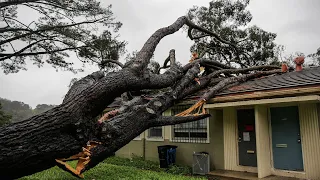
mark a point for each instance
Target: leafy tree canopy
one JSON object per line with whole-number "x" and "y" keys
{"x": 230, "y": 20}
{"x": 61, "y": 29}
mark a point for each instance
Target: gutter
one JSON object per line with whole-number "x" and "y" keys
{"x": 297, "y": 99}
{"x": 283, "y": 92}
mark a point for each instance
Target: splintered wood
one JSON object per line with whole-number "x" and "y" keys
{"x": 198, "y": 106}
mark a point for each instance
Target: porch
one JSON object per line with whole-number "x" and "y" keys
{"x": 259, "y": 144}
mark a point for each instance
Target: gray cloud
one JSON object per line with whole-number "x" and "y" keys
{"x": 294, "y": 21}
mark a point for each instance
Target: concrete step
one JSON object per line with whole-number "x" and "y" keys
{"x": 233, "y": 175}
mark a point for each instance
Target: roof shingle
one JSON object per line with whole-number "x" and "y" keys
{"x": 308, "y": 76}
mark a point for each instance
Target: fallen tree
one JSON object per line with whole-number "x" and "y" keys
{"x": 35, "y": 144}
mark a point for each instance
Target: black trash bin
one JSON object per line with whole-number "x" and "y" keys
{"x": 167, "y": 155}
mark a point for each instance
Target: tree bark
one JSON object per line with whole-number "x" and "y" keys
{"x": 33, "y": 145}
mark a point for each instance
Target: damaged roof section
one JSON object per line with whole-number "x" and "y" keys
{"x": 305, "y": 77}
{"x": 269, "y": 86}
{"x": 304, "y": 81}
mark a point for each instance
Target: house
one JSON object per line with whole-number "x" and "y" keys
{"x": 267, "y": 126}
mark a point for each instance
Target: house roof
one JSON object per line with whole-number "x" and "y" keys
{"x": 306, "y": 77}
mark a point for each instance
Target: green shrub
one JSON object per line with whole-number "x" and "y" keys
{"x": 180, "y": 170}
{"x": 107, "y": 171}
{"x": 115, "y": 168}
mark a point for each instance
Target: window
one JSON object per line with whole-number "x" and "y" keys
{"x": 196, "y": 131}
{"x": 155, "y": 133}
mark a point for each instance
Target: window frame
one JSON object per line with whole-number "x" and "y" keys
{"x": 155, "y": 138}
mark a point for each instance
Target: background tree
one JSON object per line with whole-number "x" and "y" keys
{"x": 312, "y": 59}
{"x": 4, "y": 118}
{"x": 20, "y": 111}
{"x": 105, "y": 51}
{"x": 315, "y": 58}
{"x": 63, "y": 28}
{"x": 230, "y": 19}
{"x": 40, "y": 108}
{"x": 17, "y": 109}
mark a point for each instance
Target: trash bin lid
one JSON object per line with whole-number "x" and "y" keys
{"x": 168, "y": 146}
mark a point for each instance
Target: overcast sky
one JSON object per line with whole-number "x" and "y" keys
{"x": 296, "y": 23}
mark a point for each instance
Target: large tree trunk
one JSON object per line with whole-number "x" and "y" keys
{"x": 33, "y": 145}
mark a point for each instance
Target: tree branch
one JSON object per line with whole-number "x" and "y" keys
{"x": 193, "y": 38}
{"x": 15, "y": 2}
{"x": 51, "y": 28}
{"x": 172, "y": 57}
{"x": 205, "y": 62}
{"x": 9, "y": 55}
{"x": 194, "y": 26}
{"x": 186, "y": 80}
{"x": 82, "y": 84}
{"x": 242, "y": 70}
{"x": 222, "y": 84}
{"x": 212, "y": 79}
{"x": 144, "y": 55}
{"x": 111, "y": 61}
{"x": 165, "y": 63}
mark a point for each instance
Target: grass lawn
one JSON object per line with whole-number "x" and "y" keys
{"x": 108, "y": 170}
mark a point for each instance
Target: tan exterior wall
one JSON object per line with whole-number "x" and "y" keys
{"x": 185, "y": 150}
{"x": 230, "y": 137}
{"x": 318, "y": 111}
{"x": 135, "y": 147}
{"x": 262, "y": 141}
{"x": 309, "y": 125}
{"x": 216, "y": 138}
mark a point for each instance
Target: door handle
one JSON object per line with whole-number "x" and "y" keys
{"x": 239, "y": 139}
{"x": 299, "y": 140}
